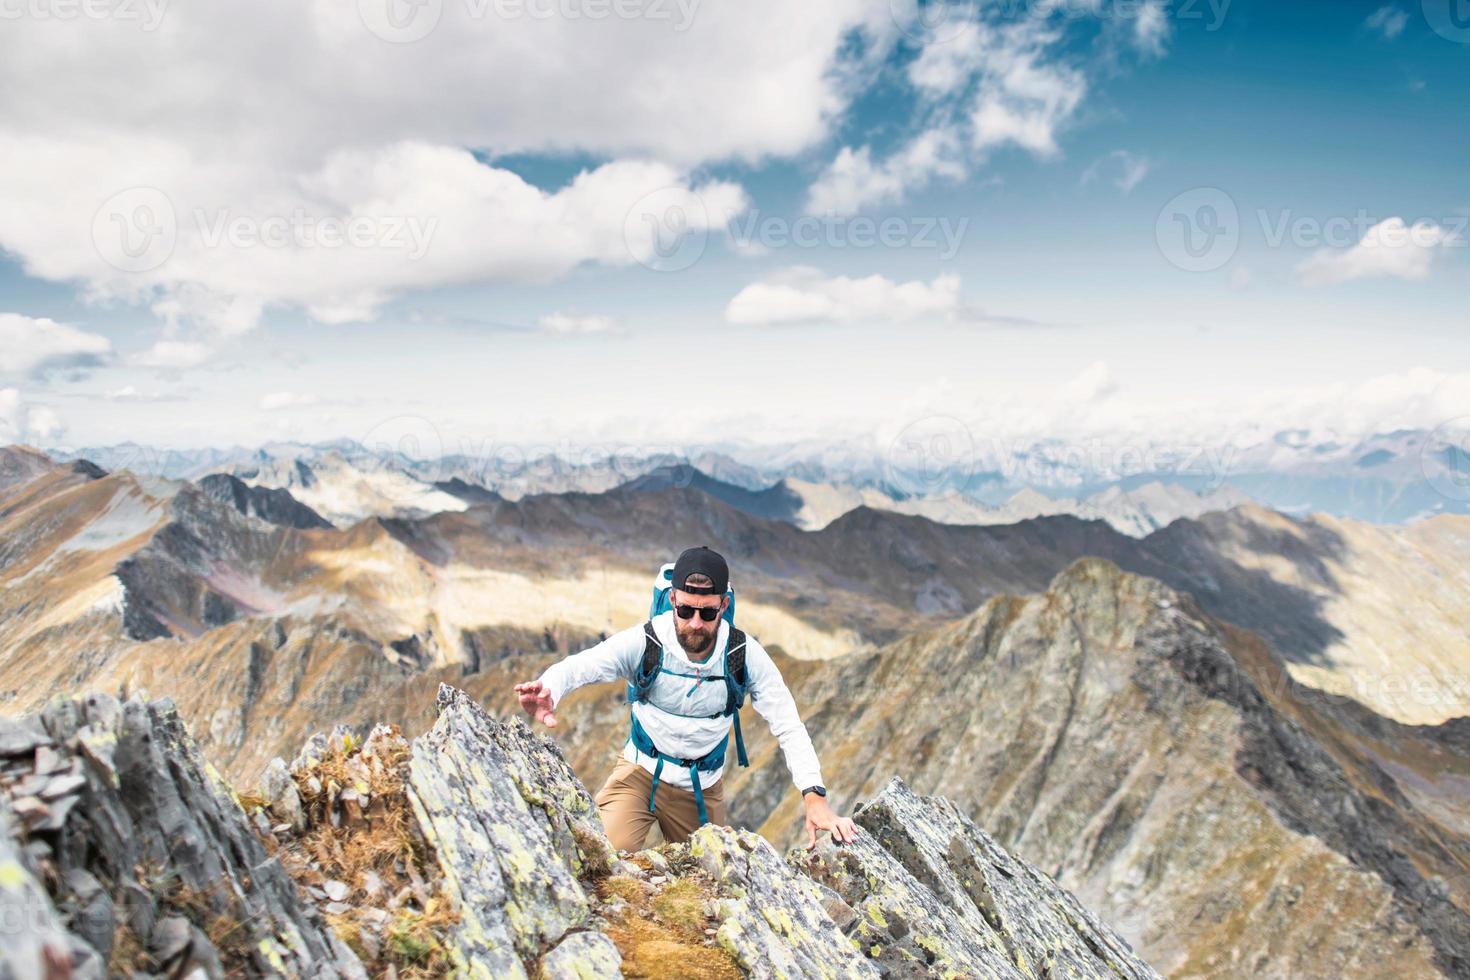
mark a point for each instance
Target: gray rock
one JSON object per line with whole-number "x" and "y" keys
{"x": 772, "y": 922}
{"x": 993, "y": 896}
{"x": 48, "y": 760}
{"x": 282, "y": 797}
{"x": 42, "y": 940}
{"x": 499, "y": 805}
{"x": 59, "y": 786}
{"x": 19, "y": 736}
{"x": 154, "y": 822}
{"x": 583, "y": 956}
{"x": 171, "y": 938}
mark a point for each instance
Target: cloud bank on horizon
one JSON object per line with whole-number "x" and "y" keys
{"x": 243, "y": 210}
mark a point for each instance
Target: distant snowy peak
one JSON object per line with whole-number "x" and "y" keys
{"x": 1137, "y": 512}
{"x": 344, "y": 492}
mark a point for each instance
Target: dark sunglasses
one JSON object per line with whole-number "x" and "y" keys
{"x": 706, "y": 613}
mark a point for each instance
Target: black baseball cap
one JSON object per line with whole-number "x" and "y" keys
{"x": 702, "y": 561}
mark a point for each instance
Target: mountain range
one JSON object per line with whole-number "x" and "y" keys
{"x": 952, "y": 476}
{"x": 1239, "y": 737}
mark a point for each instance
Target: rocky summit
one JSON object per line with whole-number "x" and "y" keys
{"x": 474, "y": 850}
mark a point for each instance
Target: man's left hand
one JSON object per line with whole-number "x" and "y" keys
{"x": 819, "y": 816}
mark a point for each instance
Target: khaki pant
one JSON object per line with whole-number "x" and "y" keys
{"x": 623, "y": 804}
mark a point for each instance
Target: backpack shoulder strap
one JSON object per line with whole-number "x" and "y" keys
{"x": 736, "y": 681}
{"x": 653, "y": 656}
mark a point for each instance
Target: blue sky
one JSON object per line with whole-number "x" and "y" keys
{"x": 1062, "y": 149}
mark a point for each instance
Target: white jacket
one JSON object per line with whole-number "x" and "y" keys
{"x": 618, "y": 658}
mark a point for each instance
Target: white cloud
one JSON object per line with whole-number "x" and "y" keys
{"x": 1093, "y": 384}
{"x": 1026, "y": 101}
{"x": 423, "y": 216}
{"x": 986, "y": 84}
{"x": 803, "y": 295}
{"x": 949, "y": 61}
{"x": 648, "y": 97}
{"x": 277, "y": 400}
{"x": 1125, "y": 170}
{"x": 22, "y": 421}
{"x": 1018, "y": 92}
{"x": 1388, "y": 21}
{"x": 1151, "y": 28}
{"x": 172, "y": 354}
{"x": 1390, "y": 248}
{"x": 852, "y": 181}
{"x": 28, "y": 344}
{"x": 572, "y": 323}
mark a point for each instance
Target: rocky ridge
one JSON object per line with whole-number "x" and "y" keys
{"x": 127, "y": 854}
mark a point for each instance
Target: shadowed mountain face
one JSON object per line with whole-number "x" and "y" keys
{"x": 275, "y": 506}
{"x": 776, "y": 503}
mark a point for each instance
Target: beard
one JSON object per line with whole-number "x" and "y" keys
{"x": 696, "y": 641}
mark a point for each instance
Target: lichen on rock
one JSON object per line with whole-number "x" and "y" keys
{"x": 475, "y": 850}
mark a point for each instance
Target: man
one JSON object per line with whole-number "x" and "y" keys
{"x": 681, "y": 722}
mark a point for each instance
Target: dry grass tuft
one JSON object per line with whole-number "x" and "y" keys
{"x": 128, "y": 955}
{"x": 680, "y": 905}
{"x": 596, "y": 864}
{"x": 661, "y": 935}
{"x": 630, "y": 890}
{"x": 656, "y": 952}
{"x": 360, "y": 830}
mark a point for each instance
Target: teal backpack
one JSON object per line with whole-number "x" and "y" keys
{"x": 736, "y": 685}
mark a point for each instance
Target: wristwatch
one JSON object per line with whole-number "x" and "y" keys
{"x": 819, "y": 790}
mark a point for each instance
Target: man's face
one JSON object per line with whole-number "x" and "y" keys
{"x": 695, "y": 635}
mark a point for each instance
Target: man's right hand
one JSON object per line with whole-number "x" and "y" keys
{"x": 536, "y": 701}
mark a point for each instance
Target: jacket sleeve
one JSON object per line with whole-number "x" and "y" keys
{"x": 773, "y": 701}
{"x": 615, "y": 657}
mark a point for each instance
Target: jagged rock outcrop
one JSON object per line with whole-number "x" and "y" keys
{"x": 154, "y": 866}
{"x": 148, "y": 861}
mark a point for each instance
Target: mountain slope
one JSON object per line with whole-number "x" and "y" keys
{"x": 1155, "y": 761}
